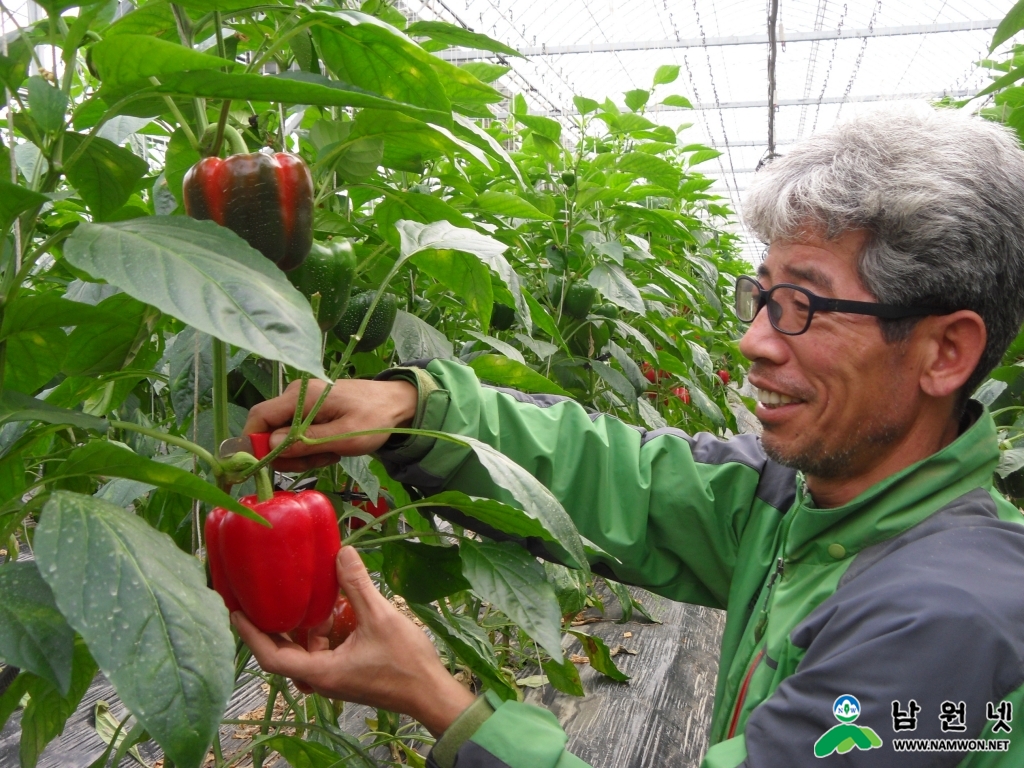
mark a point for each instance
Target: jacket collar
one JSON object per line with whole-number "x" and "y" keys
{"x": 899, "y": 502}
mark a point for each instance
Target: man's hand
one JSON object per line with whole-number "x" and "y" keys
{"x": 386, "y": 662}
{"x": 353, "y": 405}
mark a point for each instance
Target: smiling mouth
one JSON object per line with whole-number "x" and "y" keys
{"x": 770, "y": 399}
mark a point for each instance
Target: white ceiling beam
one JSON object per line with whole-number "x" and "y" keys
{"x": 463, "y": 54}
{"x": 763, "y": 103}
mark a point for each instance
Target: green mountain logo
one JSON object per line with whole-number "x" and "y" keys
{"x": 845, "y": 736}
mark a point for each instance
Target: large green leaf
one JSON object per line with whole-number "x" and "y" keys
{"x": 1011, "y": 24}
{"x": 15, "y": 200}
{"x": 104, "y": 174}
{"x": 507, "y": 204}
{"x": 47, "y": 104}
{"x": 143, "y": 607}
{"x": 207, "y": 276}
{"x": 47, "y": 711}
{"x": 288, "y": 88}
{"x": 464, "y": 275}
{"x": 180, "y": 157}
{"x": 613, "y": 283}
{"x": 300, "y": 753}
{"x": 502, "y": 370}
{"x": 102, "y": 459}
{"x": 422, "y": 573}
{"x": 15, "y": 406}
{"x": 361, "y": 50}
{"x": 665, "y": 74}
{"x": 153, "y": 18}
{"x": 451, "y": 34}
{"x": 510, "y": 578}
{"x": 33, "y": 634}
{"x": 545, "y": 126}
{"x": 33, "y": 358}
{"x": 600, "y": 656}
{"x": 110, "y": 338}
{"x": 535, "y": 499}
{"x": 409, "y": 143}
{"x": 497, "y": 515}
{"x": 652, "y": 168}
{"x": 415, "y": 340}
{"x": 129, "y": 58}
{"x": 470, "y": 644}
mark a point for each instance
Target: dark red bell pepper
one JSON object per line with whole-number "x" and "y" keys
{"x": 265, "y": 199}
{"x": 343, "y": 624}
{"x": 283, "y": 577}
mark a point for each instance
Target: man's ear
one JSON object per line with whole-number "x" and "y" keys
{"x": 952, "y": 345}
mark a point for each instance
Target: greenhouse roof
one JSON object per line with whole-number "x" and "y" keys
{"x": 835, "y": 59}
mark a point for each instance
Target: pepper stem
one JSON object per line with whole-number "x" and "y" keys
{"x": 264, "y": 485}
{"x": 236, "y": 144}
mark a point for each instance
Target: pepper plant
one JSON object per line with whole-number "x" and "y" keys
{"x": 581, "y": 256}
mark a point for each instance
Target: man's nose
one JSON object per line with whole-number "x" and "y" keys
{"x": 762, "y": 342}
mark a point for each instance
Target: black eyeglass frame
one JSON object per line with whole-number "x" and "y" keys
{"x": 821, "y": 304}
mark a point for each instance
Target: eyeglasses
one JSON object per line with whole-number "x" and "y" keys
{"x": 790, "y": 307}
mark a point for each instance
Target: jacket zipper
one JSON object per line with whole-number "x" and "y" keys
{"x": 762, "y": 622}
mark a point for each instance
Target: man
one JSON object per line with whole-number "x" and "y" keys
{"x": 870, "y": 571}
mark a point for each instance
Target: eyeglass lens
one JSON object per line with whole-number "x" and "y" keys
{"x": 788, "y": 308}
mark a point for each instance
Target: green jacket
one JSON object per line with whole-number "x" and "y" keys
{"x": 912, "y": 591}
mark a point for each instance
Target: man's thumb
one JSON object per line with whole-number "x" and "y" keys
{"x": 355, "y": 581}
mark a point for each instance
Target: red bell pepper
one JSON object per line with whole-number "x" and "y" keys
{"x": 283, "y": 577}
{"x": 376, "y": 509}
{"x": 265, "y": 199}
{"x": 343, "y": 624}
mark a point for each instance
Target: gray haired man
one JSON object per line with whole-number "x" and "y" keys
{"x": 870, "y": 572}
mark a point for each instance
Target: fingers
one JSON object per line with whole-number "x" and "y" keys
{"x": 272, "y": 414}
{"x": 275, "y": 655}
{"x": 355, "y": 582}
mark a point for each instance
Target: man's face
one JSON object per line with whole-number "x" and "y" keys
{"x": 851, "y": 395}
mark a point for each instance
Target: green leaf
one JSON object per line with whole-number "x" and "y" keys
{"x": 104, "y": 174}
{"x": 599, "y": 655}
{"x": 451, "y": 34}
{"x": 33, "y": 358}
{"x": 304, "y": 754}
{"x": 637, "y": 98}
{"x": 665, "y": 74}
{"x": 109, "y": 339}
{"x": 416, "y": 237}
{"x": 33, "y": 634}
{"x": 415, "y": 340}
{"x": 180, "y": 157}
{"x": 208, "y": 277}
{"x": 463, "y": 274}
{"x": 621, "y": 592}
{"x": 153, "y": 18}
{"x": 706, "y": 405}
{"x": 361, "y": 50}
{"x": 15, "y": 406}
{"x": 47, "y": 710}
{"x": 544, "y": 126}
{"x": 15, "y": 200}
{"x": 502, "y": 370}
{"x": 703, "y": 155}
{"x": 506, "y": 349}
{"x": 47, "y": 104}
{"x": 102, "y": 459}
{"x": 542, "y": 319}
{"x": 286, "y": 88}
{"x": 485, "y": 71}
{"x": 507, "y": 204}
{"x": 677, "y": 101}
{"x": 422, "y": 573}
{"x": 652, "y": 168}
{"x": 616, "y": 287}
{"x": 564, "y": 677}
{"x": 585, "y": 105}
{"x": 570, "y": 587}
{"x": 470, "y": 644}
{"x": 1011, "y": 24}
{"x": 510, "y": 578}
{"x": 619, "y": 383}
{"x": 128, "y": 58}
{"x": 409, "y": 143}
{"x": 143, "y": 607}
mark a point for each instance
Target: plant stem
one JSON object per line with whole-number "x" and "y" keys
{"x": 221, "y": 431}
{"x": 264, "y": 485}
{"x": 170, "y": 439}
{"x": 268, "y": 716}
